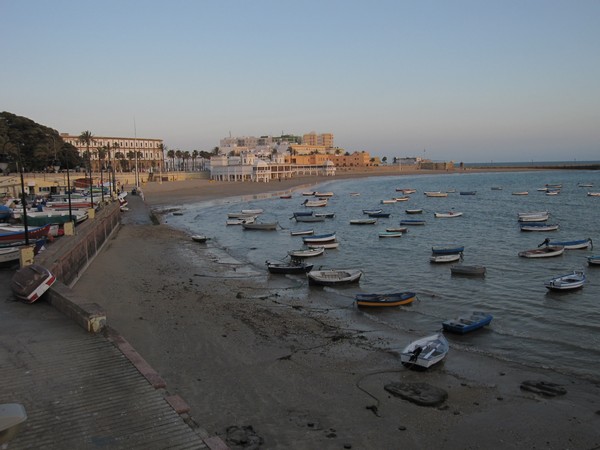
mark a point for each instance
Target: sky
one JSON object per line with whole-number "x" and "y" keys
{"x": 460, "y": 80}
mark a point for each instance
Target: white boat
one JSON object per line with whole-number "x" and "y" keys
{"x": 397, "y": 230}
{"x": 570, "y": 281}
{"x": 307, "y": 253}
{"x": 363, "y": 221}
{"x": 593, "y": 194}
{"x": 445, "y": 258}
{"x": 332, "y": 277}
{"x": 323, "y": 194}
{"x": 325, "y": 245}
{"x": 569, "y": 245}
{"x": 250, "y": 219}
{"x": 199, "y": 238}
{"x": 538, "y": 226}
{"x": 594, "y": 260}
{"x": 402, "y": 199}
{"x": 534, "y": 218}
{"x": 520, "y": 193}
{"x": 254, "y": 212}
{"x": 240, "y": 215}
{"x": 533, "y": 213}
{"x": 425, "y": 352}
{"x": 436, "y": 194}
{"x": 310, "y": 218}
{"x": 388, "y": 202}
{"x": 315, "y": 203}
{"x": 372, "y": 211}
{"x": 544, "y": 252}
{"x": 270, "y": 226}
{"x": 9, "y": 254}
{"x": 301, "y": 232}
{"x": 447, "y": 214}
{"x": 308, "y": 194}
{"x": 390, "y": 234}
{"x": 319, "y": 238}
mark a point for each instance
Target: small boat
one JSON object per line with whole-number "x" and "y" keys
{"x": 570, "y": 281}
{"x": 253, "y": 212}
{"x": 309, "y": 218}
{"x": 520, "y": 193}
{"x": 240, "y": 215}
{"x": 354, "y": 194}
{"x": 251, "y": 219}
{"x": 315, "y": 203}
{"x": 265, "y": 226}
{"x": 569, "y": 245}
{"x": 425, "y": 352}
{"x": 585, "y": 185}
{"x": 533, "y": 213}
{"x": 329, "y": 215}
{"x": 436, "y": 194}
{"x": 363, "y": 221}
{"x": 406, "y": 190}
{"x": 414, "y": 211}
{"x": 307, "y": 253}
{"x": 302, "y": 213}
{"x": 332, "y": 277}
{"x": 402, "y": 199}
{"x": 467, "y": 193}
{"x": 325, "y": 245}
{"x": 17, "y": 233}
{"x": 544, "y": 252}
{"x": 319, "y": 238}
{"x": 593, "y": 194}
{"x": 285, "y": 196}
{"x": 379, "y": 214}
{"x": 554, "y": 186}
{"x": 292, "y": 267}
{"x": 468, "y": 322}
{"x": 447, "y": 214}
{"x": 473, "y": 270}
{"x": 397, "y": 230}
{"x": 594, "y": 260}
{"x": 308, "y": 194}
{"x": 29, "y": 283}
{"x": 412, "y": 222}
{"x": 445, "y": 258}
{"x": 534, "y": 218}
{"x": 301, "y": 232}
{"x": 496, "y": 188}
{"x": 390, "y": 234}
{"x": 388, "y": 202}
{"x": 538, "y": 226}
{"x": 447, "y": 249}
{"x": 372, "y": 211}
{"x": 323, "y": 194}
{"x": 9, "y": 255}
{"x": 391, "y": 299}
{"x": 199, "y": 238}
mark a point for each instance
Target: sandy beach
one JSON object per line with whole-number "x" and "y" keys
{"x": 264, "y": 366}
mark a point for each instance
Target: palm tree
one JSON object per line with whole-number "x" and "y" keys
{"x": 86, "y": 138}
{"x": 195, "y": 154}
{"x": 171, "y": 155}
{"x": 186, "y": 157}
{"x": 163, "y": 149}
{"x": 178, "y": 155}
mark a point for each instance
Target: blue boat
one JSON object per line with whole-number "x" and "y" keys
{"x": 449, "y": 249}
{"x": 412, "y": 222}
{"x": 378, "y": 214}
{"x": 569, "y": 245}
{"x": 468, "y": 322}
{"x": 468, "y": 192}
{"x": 319, "y": 238}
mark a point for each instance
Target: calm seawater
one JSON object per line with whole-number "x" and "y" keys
{"x": 530, "y": 325}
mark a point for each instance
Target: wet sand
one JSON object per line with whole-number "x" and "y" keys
{"x": 257, "y": 358}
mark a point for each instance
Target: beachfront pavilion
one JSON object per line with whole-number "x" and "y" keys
{"x": 261, "y": 171}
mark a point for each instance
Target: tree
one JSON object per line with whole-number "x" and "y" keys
{"x": 178, "y": 155}
{"x": 384, "y": 159}
{"x": 171, "y": 156}
{"x": 86, "y": 138}
{"x": 195, "y": 154}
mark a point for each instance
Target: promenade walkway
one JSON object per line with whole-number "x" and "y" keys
{"x": 83, "y": 390}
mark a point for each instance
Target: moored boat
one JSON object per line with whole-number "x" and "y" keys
{"x": 569, "y": 245}
{"x": 469, "y": 270}
{"x": 414, "y": 211}
{"x": 390, "y": 234}
{"x": 309, "y": 218}
{"x": 445, "y": 258}
{"x": 307, "y": 253}
{"x": 570, "y": 281}
{"x": 363, "y": 221}
{"x": 388, "y": 202}
{"x": 397, "y": 230}
{"x": 291, "y": 267}
{"x": 379, "y": 214}
{"x": 436, "y": 194}
{"x": 391, "y": 299}
{"x": 447, "y": 214}
{"x": 372, "y": 211}
{"x": 538, "y": 226}
{"x": 325, "y": 245}
{"x": 468, "y": 322}
{"x": 17, "y": 233}
{"x": 241, "y": 221}
{"x": 425, "y": 352}
{"x": 332, "y": 277}
{"x": 319, "y": 238}
{"x": 544, "y": 252}
{"x": 315, "y": 203}
{"x": 265, "y": 226}
{"x": 199, "y": 238}
{"x": 301, "y": 232}
{"x": 412, "y": 222}
{"x": 447, "y": 249}
{"x": 593, "y": 194}
{"x": 520, "y": 193}
{"x": 594, "y": 260}
{"x": 253, "y": 212}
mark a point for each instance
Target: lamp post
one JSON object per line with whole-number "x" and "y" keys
{"x": 23, "y": 196}
{"x": 89, "y": 157}
{"x": 102, "y": 181}
{"x": 68, "y": 186}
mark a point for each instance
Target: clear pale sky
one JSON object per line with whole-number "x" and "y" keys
{"x": 472, "y": 81}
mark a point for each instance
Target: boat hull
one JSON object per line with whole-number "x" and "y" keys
{"x": 385, "y": 300}
{"x": 333, "y": 277}
{"x": 467, "y": 323}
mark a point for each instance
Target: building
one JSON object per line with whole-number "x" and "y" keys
{"x": 121, "y": 152}
{"x": 312, "y": 138}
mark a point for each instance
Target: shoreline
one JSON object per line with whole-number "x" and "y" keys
{"x": 244, "y": 353}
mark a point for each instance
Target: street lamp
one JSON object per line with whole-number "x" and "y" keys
{"x": 23, "y": 197}
{"x": 102, "y": 181}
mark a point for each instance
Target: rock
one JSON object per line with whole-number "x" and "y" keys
{"x": 422, "y": 394}
{"x": 545, "y": 388}
{"x": 243, "y": 437}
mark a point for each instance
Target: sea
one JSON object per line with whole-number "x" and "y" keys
{"x": 531, "y": 325}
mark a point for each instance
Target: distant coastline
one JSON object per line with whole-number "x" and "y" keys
{"x": 539, "y": 165}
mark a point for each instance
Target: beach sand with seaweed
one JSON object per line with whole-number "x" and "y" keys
{"x": 260, "y": 364}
